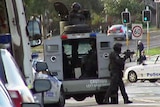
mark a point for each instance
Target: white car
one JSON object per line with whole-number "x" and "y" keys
{"x": 55, "y": 96}
{"x": 150, "y": 70}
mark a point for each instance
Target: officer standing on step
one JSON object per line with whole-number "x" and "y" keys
{"x": 116, "y": 66}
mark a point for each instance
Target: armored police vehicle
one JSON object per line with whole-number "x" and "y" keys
{"x": 68, "y": 55}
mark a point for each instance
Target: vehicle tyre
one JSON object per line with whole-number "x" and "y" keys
{"x": 152, "y": 80}
{"x": 61, "y": 102}
{"x": 132, "y": 76}
{"x": 99, "y": 97}
{"x": 79, "y": 97}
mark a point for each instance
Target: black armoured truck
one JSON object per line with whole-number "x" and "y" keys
{"x": 68, "y": 55}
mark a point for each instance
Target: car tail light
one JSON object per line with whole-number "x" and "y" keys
{"x": 16, "y": 97}
{"x": 108, "y": 31}
{"x": 64, "y": 37}
{"x": 121, "y": 30}
{"x": 114, "y": 29}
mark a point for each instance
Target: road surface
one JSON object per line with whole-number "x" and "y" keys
{"x": 143, "y": 94}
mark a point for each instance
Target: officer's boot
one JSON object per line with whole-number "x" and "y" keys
{"x": 114, "y": 98}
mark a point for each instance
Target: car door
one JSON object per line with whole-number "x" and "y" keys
{"x": 149, "y": 71}
{"x": 154, "y": 71}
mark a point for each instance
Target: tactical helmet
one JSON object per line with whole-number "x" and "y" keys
{"x": 76, "y": 6}
{"x": 117, "y": 47}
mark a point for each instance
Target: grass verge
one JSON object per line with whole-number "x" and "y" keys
{"x": 38, "y": 49}
{"x": 153, "y": 51}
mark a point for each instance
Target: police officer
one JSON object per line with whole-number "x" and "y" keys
{"x": 140, "y": 47}
{"x": 116, "y": 66}
{"x": 75, "y": 14}
{"x": 90, "y": 64}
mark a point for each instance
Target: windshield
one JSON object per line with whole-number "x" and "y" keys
{"x": 12, "y": 71}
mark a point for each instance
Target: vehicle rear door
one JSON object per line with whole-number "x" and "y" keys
{"x": 53, "y": 55}
{"x": 104, "y": 47}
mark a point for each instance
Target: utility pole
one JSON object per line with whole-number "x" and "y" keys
{"x": 157, "y": 15}
{"x": 126, "y": 19}
{"x": 146, "y": 17}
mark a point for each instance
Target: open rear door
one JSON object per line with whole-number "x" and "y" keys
{"x": 104, "y": 47}
{"x": 53, "y": 55}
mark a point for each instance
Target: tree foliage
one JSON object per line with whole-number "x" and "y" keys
{"x": 115, "y": 7}
{"x": 98, "y": 8}
{"x": 40, "y": 6}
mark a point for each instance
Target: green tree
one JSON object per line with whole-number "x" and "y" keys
{"x": 37, "y": 7}
{"x": 115, "y": 7}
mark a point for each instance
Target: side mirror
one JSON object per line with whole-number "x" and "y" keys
{"x": 31, "y": 105}
{"x": 34, "y": 31}
{"x": 42, "y": 85}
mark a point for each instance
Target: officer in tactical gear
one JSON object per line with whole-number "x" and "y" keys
{"x": 116, "y": 67}
{"x": 90, "y": 65}
{"x": 75, "y": 15}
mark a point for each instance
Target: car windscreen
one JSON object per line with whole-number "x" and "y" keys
{"x": 11, "y": 69}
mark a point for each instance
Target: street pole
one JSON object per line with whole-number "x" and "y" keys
{"x": 148, "y": 33}
{"x": 148, "y": 37}
{"x": 157, "y": 15}
{"x": 126, "y": 19}
{"x": 127, "y": 40}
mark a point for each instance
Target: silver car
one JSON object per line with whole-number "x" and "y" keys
{"x": 119, "y": 32}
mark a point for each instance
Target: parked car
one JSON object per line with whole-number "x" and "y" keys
{"x": 149, "y": 70}
{"x": 13, "y": 79}
{"x": 119, "y": 32}
{"x": 55, "y": 96}
{"x": 6, "y": 100}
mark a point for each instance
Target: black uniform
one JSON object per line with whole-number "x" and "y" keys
{"x": 140, "y": 47}
{"x": 75, "y": 15}
{"x": 116, "y": 66}
{"x": 90, "y": 65}
{"x": 128, "y": 54}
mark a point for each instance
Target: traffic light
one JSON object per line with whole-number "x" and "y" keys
{"x": 146, "y": 15}
{"x": 125, "y": 17}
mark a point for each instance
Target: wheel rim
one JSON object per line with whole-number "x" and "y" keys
{"x": 132, "y": 77}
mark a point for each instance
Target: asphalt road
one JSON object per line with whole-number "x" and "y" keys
{"x": 143, "y": 94}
